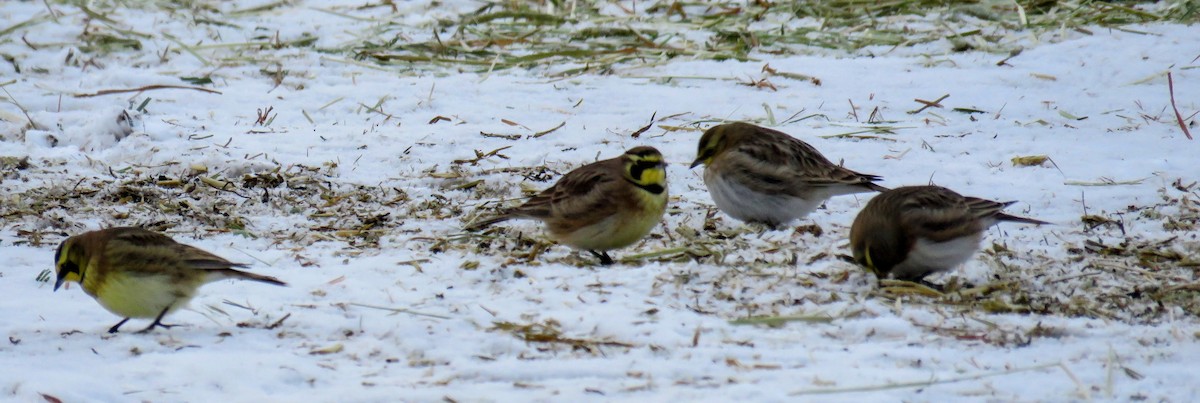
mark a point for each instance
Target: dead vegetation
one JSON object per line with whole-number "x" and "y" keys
{"x": 356, "y": 214}
{"x": 598, "y": 37}
{"x": 547, "y": 335}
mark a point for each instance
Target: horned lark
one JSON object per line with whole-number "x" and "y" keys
{"x": 136, "y": 273}
{"x": 756, "y": 174}
{"x": 601, "y": 206}
{"x": 911, "y": 232}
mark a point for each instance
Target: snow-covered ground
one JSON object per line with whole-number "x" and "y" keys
{"x": 354, "y": 185}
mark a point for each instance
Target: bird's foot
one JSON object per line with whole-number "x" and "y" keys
{"x": 154, "y": 325}
{"x": 117, "y": 326}
{"x": 605, "y": 259}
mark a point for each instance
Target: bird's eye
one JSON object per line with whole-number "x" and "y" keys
{"x": 635, "y": 171}
{"x": 68, "y": 267}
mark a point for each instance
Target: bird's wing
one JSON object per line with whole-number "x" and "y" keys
{"x": 160, "y": 252}
{"x": 991, "y": 211}
{"x": 938, "y": 214}
{"x": 582, "y": 195}
{"x": 139, "y": 237}
{"x": 781, "y": 164}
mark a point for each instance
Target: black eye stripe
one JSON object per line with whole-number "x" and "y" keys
{"x": 635, "y": 171}
{"x": 639, "y": 167}
{"x": 70, "y": 267}
{"x": 656, "y": 189}
{"x": 79, "y": 272}
{"x": 59, "y": 252}
{"x": 67, "y": 268}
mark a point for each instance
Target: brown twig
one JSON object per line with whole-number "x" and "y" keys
{"x": 278, "y": 322}
{"x": 22, "y": 108}
{"x": 760, "y": 84}
{"x": 639, "y": 132}
{"x": 548, "y": 131}
{"x": 146, "y": 88}
{"x": 264, "y": 117}
{"x": 1178, "y": 116}
{"x": 480, "y": 156}
{"x": 928, "y": 104}
{"x": 1011, "y": 55}
{"x": 501, "y": 136}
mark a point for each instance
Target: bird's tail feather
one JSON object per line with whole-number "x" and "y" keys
{"x": 241, "y": 275}
{"x": 875, "y": 187}
{"x": 1013, "y": 218}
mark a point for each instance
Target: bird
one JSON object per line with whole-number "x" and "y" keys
{"x": 910, "y": 232}
{"x": 601, "y": 206}
{"x": 761, "y": 175}
{"x": 138, "y": 273}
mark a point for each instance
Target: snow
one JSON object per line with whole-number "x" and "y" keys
{"x": 649, "y": 331}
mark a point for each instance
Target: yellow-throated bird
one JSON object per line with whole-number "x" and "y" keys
{"x": 911, "y": 232}
{"x": 601, "y": 206}
{"x": 136, "y": 273}
{"x": 756, "y": 174}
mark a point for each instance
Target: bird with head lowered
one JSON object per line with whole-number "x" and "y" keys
{"x": 601, "y": 206}
{"x": 908, "y": 233}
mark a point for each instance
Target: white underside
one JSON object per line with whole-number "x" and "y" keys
{"x": 747, "y": 205}
{"x": 928, "y": 257}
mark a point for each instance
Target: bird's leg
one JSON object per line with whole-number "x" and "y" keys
{"x": 158, "y": 322}
{"x": 605, "y": 259}
{"x": 118, "y": 325}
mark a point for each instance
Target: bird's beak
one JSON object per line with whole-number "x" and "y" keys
{"x": 698, "y": 161}
{"x": 62, "y": 278}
